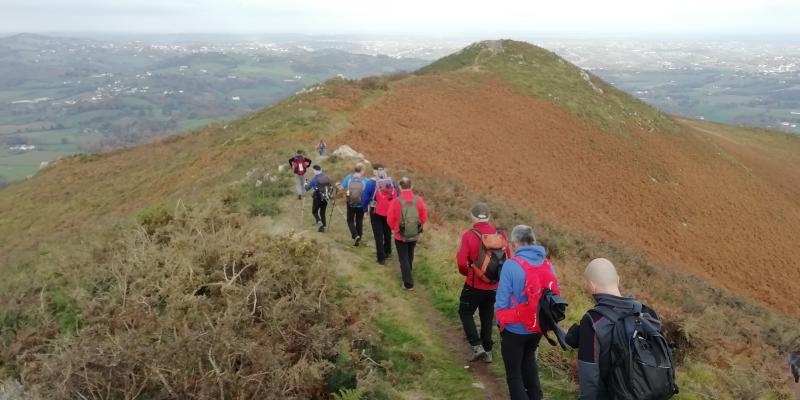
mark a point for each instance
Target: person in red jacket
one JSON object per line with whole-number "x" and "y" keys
{"x": 385, "y": 191}
{"x": 407, "y": 215}
{"x": 476, "y": 293}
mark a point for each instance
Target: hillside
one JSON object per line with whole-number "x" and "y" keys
{"x": 575, "y": 156}
{"x": 130, "y": 254}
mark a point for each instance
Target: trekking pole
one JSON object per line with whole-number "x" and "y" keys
{"x": 333, "y": 203}
{"x": 337, "y": 208}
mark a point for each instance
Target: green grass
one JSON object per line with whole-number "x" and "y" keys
{"x": 191, "y": 124}
{"x": 541, "y": 74}
{"x": 66, "y": 311}
{"x": 702, "y": 319}
{"x": 17, "y": 166}
{"x": 437, "y": 272}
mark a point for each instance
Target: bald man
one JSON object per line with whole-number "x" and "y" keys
{"x": 592, "y": 337}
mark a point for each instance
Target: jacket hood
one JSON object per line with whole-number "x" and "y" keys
{"x": 533, "y": 254}
{"x": 625, "y": 303}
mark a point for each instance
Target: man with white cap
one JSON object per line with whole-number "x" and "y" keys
{"x": 478, "y": 293}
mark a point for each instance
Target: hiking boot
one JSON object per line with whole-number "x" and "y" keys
{"x": 487, "y": 357}
{"x": 321, "y": 229}
{"x": 357, "y": 241}
{"x": 478, "y": 353}
{"x": 382, "y": 262}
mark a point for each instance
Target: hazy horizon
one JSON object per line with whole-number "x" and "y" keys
{"x": 446, "y": 19}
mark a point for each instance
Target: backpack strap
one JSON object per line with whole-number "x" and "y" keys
{"x": 611, "y": 314}
{"x": 480, "y": 243}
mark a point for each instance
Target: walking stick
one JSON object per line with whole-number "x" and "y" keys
{"x": 333, "y": 203}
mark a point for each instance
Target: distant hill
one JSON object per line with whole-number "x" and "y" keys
{"x": 112, "y": 261}
{"x": 67, "y": 95}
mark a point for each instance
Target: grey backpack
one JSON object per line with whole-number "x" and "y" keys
{"x": 354, "y": 191}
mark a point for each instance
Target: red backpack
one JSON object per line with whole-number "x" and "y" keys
{"x": 537, "y": 279}
{"x": 299, "y": 164}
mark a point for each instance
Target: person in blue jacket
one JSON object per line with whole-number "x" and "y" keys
{"x": 518, "y": 345}
{"x": 321, "y": 185}
{"x": 359, "y": 192}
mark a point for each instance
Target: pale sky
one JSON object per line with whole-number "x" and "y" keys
{"x": 489, "y": 18}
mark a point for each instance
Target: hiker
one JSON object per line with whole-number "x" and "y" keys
{"x": 482, "y": 252}
{"x": 794, "y": 368}
{"x": 523, "y": 277}
{"x": 321, "y": 146}
{"x": 610, "y": 327}
{"x": 323, "y": 192}
{"x": 358, "y": 193}
{"x": 300, "y": 164}
{"x": 406, "y": 218}
{"x": 385, "y": 192}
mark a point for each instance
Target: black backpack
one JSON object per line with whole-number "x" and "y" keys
{"x": 552, "y": 310}
{"x": 641, "y": 359}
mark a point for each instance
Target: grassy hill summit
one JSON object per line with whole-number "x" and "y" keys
{"x": 184, "y": 268}
{"x": 540, "y": 73}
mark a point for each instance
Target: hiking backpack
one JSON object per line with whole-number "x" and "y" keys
{"x": 491, "y": 256}
{"x": 537, "y": 279}
{"x": 410, "y": 225}
{"x": 299, "y": 164}
{"x": 325, "y": 188}
{"x": 355, "y": 188}
{"x": 384, "y": 191}
{"x": 641, "y": 359}
{"x": 384, "y": 185}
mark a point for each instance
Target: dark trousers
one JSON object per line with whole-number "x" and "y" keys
{"x": 383, "y": 235}
{"x": 482, "y": 300}
{"x": 355, "y": 221}
{"x": 318, "y": 208}
{"x": 522, "y": 373}
{"x": 405, "y": 253}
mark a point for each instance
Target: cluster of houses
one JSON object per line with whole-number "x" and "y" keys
{"x": 21, "y": 148}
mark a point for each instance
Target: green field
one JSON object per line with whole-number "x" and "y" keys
{"x": 15, "y": 167}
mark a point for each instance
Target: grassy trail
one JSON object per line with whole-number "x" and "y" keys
{"x": 427, "y": 350}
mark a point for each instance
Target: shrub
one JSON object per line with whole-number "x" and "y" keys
{"x": 348, "y": 394}
{"x": 87, "y": 157}
{"x": 220, "y": 311}
{"x": 153, "y": 218}
{"x": 257, "y": 196}
{"x": 374, "y": 83}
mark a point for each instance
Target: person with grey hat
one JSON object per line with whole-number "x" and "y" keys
{"x": 478, "y": 293}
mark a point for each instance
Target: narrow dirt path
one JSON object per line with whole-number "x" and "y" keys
{"x": 296, "y": 217}
{"x": 453, "y": 337}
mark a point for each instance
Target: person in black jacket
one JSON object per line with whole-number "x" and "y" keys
{"x": 794, "y": 367}
{"x": 594, "y": 357}
{"x": 322, "y": 186}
